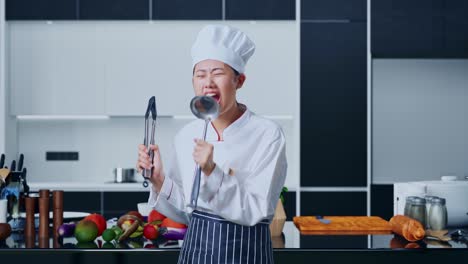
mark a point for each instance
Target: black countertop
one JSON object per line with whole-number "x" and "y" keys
{"x": 290, "y": 246}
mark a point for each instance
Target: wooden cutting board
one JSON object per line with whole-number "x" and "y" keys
{"x": 342, "y": 225}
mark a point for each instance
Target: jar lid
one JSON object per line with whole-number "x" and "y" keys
{"x": 438, "y": 200}
{"x": 410, "y": 198}
{"x": 429, "y": 198}
{"x": 419, "y": 201}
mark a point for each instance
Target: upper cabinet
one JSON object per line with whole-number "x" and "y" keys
{"x": 55, "y": 71}
{"x": 261, "y": 9}
{"x": 150, "y": 9}
{"x": 114, "y": 9}
{"x": 41, "y": 9}
{"x": 187, "y": 10}
{"x": 354, "y": 10}
{"x": 419, "y": 29}
{"x": 114, "y": 68}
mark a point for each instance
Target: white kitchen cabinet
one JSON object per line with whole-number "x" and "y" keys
{"x": 113, "y": 68}
{"x": 145, "y": 59}
{"x": 55, "y": 69}
{"x": 164, "y": 69}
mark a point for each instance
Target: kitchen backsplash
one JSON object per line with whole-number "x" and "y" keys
{"x": 104, "y": 145}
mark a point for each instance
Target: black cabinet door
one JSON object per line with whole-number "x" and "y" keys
{"x": 261, "y": 9}
{"x": 333, "y": 104}
{"x": 410, "y": 29}
{"x": 334, "y": 203}
{"x": 187, "y": 9}
{"x": 456, "y": 33}
{"x": 114, "y": 9}
{"x": 89, "y": 202}
{"x": 41, "y": 9}
{"x": 405, "y": 8}
{"x": 334, "y": 9}
{"x": 407, "y": 37}
{"x": 118, "y": 203}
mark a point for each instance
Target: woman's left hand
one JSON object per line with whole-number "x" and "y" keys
{"x": 203, "y": 156}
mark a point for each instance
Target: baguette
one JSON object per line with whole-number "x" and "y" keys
{"x": 410, "y": 229}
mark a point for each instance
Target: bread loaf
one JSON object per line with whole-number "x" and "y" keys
{"x": 410, "y": 229}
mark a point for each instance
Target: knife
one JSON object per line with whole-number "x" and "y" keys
{"x": 324, "y": 221}
{"x": 20, "y": 162}
{"x": 2, "y": 161}
{"x": 13, "y": 166}
{"x": 25, "y": 186}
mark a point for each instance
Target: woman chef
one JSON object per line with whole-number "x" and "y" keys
{"x": 243, "y": 162}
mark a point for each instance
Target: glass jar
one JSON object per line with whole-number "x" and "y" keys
{"x": 428, "y": 208}
{"x": 418, "y": 210}
{"x": 408, "y": 204}
{"x": 438, "y": 214}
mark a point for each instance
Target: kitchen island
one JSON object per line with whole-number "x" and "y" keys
{"x": 292, "y": 247}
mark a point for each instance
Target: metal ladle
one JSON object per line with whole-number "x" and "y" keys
{"x": 206, "y": 108}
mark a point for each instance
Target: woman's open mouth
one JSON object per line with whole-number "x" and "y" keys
{"x": 214, "y": 96}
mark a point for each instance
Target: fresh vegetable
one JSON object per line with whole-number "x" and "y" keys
{"x": 118, "y": 231}
{"x": 137, "y": 233}
{"x": 66, "y": 230}
{"x": 150, "y": 232}
{"x": 135, "y": 213}
{"x": 108, "y": 245}
{"x": 86, "y": 245}
{"x": 150, "y": 245}
{"x": 167, "y": 222}
{"x": 127, "y": 232}
{"x": 155, "y": 216}
{"x": 99, "y": 220}
{"x": 86, "y": 231}
{"x": 127, "y": 220}
{"x": 173, "y": 233}
{"x": 108, "y": 235}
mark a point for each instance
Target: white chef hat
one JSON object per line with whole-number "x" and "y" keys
{"x": 223, "y": 43}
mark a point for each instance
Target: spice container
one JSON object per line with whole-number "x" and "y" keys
{"x": 418, "y": 210}
{"x": 438, "y": 214}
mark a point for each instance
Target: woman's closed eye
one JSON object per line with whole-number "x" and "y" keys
{"x": 218, "y": 72}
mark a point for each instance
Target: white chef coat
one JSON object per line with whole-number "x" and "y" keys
{"x": 246, "y": 183}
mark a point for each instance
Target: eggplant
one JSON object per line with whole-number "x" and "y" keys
{"x": 66, "y": 230}
{"x": 173, "y": 233}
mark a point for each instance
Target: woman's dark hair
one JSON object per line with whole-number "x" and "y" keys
{"x": 235, "y": 72}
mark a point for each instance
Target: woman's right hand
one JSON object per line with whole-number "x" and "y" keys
{"x": 144, "y": 162}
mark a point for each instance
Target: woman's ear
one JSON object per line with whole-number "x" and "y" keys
{"x": 240, "y": 80}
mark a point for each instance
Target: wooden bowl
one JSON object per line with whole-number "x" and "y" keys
{"x": 5, "y": 231}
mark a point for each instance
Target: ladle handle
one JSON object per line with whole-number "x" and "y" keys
{"x": 196, "y": 179}
{"x": 195, "y": 187}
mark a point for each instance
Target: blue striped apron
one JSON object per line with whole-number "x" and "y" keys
{"x": 212, "y": 239}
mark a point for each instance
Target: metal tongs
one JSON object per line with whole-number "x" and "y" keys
{"x": 149, "y": 141}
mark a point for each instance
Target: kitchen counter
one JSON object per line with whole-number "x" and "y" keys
{"x": 291, "y": 247}
{"x": 88, "y": 186}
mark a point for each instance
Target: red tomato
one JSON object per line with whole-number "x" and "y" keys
{"x": 150, "y": 232}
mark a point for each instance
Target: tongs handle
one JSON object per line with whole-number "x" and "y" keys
{"x": 149, "y": 141}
